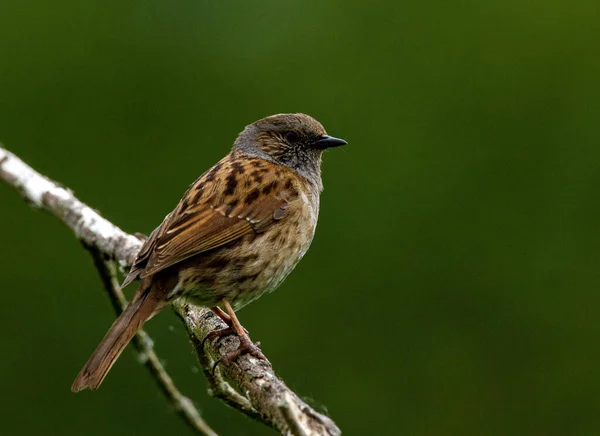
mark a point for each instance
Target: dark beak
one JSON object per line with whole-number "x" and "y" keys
{"x": 326, "y": 141}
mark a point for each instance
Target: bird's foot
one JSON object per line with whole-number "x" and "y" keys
{"x": 246, "y": 347}
{"x": 214, "y": 334}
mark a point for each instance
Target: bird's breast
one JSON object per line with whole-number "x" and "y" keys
{"x": 278, "y": 251}
{"x": 256, "y": 263}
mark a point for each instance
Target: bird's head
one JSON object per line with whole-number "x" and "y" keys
{"x": 294, "y": 140}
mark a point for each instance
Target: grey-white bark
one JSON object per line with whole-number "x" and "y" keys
{"x": 247, "y": 384}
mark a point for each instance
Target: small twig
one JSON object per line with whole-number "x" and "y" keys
{"x": 144, "y": 345}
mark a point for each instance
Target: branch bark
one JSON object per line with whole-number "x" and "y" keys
{"x": 248, "y": 384}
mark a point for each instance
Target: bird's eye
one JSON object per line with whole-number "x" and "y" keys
{"x": 291, "y": 136}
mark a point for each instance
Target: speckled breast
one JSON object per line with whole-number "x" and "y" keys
{"x": 255, "y": 264}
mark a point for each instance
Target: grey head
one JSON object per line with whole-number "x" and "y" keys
{"x": 294, "y": 140}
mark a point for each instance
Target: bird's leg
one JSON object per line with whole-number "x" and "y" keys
{"x": 246, "y": 345}
{"x": 223, "y": 332}
{"x": 219, "y": 333}
{"x": 221, "y": 314}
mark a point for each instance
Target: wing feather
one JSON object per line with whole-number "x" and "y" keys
{"x": 237, "y": 197}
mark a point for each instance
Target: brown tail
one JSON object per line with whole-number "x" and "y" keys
{"x": 115, "y": 341}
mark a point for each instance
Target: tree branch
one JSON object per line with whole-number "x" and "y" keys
{"x": 248, "y": 384}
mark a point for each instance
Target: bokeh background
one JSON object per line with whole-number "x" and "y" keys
{"x": 452, "y": 287}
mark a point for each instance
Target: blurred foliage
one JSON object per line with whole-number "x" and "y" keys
{"x": 454, "y": 275}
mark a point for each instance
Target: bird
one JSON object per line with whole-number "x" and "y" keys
{"x": 236, "y": 234}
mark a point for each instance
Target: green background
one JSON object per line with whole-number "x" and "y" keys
{"x": 452, "y": 287}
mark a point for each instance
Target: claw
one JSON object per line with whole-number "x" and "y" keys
{"x": 246, "y": 347}
{"x": 217, "y": 334}
{"x": 214, "y": 368}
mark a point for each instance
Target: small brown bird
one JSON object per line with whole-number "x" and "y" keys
{"x": 236, "y": 234}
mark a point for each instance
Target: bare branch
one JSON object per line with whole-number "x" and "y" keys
{"x": 251, "y": 385}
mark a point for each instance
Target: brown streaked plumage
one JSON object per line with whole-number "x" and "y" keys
{"x": 238, "y": 231}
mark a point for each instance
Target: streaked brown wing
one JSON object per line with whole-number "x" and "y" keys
{"x": 220, "y": 207}
{"x": 144, "y": 254}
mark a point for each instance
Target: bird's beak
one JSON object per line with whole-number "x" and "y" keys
{"x": 326, "y": 141}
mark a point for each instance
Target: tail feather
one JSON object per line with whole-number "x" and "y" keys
{"x": 115, "y": 341}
